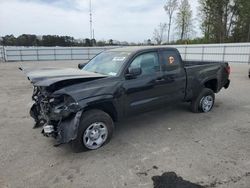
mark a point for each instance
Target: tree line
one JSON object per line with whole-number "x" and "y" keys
{"x": 55, "y": 40}
{"x": 50, "y": 40}
{"x": 219, "y": 20}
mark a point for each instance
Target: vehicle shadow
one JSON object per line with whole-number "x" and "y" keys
{"x": 152, "y": 118}
{"x": 142, "y": 123}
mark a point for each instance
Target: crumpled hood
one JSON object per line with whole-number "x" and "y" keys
{"x": 49, "y": 76}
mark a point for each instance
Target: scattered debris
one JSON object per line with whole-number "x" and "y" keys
{"x": 141, "y": 173}
{"x": 70, "y": 177}
{"x": 155, "y": 167}
{"x": 146, "y": 172}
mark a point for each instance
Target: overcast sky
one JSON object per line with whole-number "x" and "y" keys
{"x": 131, "y": 20}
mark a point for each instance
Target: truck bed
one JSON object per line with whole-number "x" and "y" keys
{"x": 198, "y": 63}
{"x": 202, "y": 70}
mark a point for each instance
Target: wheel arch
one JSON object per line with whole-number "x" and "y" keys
{"x": 212, "y": 84}
{"x": 107, "y": 106}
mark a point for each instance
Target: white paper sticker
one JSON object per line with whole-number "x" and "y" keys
{"x": 112, "y": 74}
{"x": 119, "y": 58}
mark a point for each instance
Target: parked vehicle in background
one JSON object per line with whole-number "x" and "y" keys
{"x": 80, "y": 106}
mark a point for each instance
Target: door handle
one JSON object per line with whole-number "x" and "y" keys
{"x": 160, "y": 80}
{"x": 169, "y": 79}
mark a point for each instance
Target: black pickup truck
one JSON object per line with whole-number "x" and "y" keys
{"x": 80, "y": 106}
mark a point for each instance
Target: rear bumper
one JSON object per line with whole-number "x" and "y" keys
{"x": 227, "y": 84}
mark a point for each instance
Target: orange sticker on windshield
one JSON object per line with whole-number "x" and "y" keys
{"x": 171, "y": 60}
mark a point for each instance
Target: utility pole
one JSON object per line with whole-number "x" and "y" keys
{"x": 248, "y": 37}
{"x": 90, "y": 20}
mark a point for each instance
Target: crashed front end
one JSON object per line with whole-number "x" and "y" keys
{"x": 58, "y": 114}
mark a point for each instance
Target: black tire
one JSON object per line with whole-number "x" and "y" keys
{"x": 197, "y": 103}
{"x": 87, "y": 119}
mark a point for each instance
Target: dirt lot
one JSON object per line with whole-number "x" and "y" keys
{"x": 210, "y": 149}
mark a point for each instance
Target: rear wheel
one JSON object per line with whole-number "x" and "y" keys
{"x": 204, "y": 102}
{"x": 95, "y": 130}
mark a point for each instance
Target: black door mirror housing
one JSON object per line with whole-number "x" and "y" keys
{"x": 133, "y": 72}
{"x": 81, "y": 65}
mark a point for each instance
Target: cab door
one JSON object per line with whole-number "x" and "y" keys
{"x": 174, "y": 75}
{"x": 145, "y": 91}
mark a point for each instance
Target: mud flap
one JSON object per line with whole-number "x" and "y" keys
{"x": 227, "y": 84}
{"x": 67, "y": 129}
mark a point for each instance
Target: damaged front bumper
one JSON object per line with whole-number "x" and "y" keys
{"x": 59, "y": 116}
{"x": 65, "y": 130}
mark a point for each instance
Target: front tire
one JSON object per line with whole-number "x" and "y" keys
{"x": 95, "y": 130}
{"x": 204, "y": 102}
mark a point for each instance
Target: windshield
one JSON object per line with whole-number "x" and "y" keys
{"x": 107, "y": 63}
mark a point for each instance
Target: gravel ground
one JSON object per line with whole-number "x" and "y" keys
{"x": 210, "y": 149}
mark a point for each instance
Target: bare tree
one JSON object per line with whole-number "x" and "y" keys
{"x": 170, "y": 7}
{"x": 184, "y": 20}
{"x": 158, "y": 34}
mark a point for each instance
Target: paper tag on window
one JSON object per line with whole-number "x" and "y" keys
{"x": 112, "y": 74}
{"x": 118, "y": 58}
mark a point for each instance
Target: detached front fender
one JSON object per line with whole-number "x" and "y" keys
{"x": 67, "y": 129}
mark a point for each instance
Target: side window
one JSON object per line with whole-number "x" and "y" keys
{"x": 170, "y": 61}
{"x": 148, "y": 62}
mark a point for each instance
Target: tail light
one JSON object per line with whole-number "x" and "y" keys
{"x": 228, "y": 69}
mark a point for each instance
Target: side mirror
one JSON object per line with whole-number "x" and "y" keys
{"x": 81, "y": 65}
{"x": 133, "y": 72}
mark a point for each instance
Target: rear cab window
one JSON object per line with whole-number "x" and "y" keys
{"x": 170, "y": 61}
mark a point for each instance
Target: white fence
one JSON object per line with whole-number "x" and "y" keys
{"x": 236, "y": 52}
{"x": 51, "y": 53}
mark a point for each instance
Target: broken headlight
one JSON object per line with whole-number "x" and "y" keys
{"x": 63, "y": 106}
